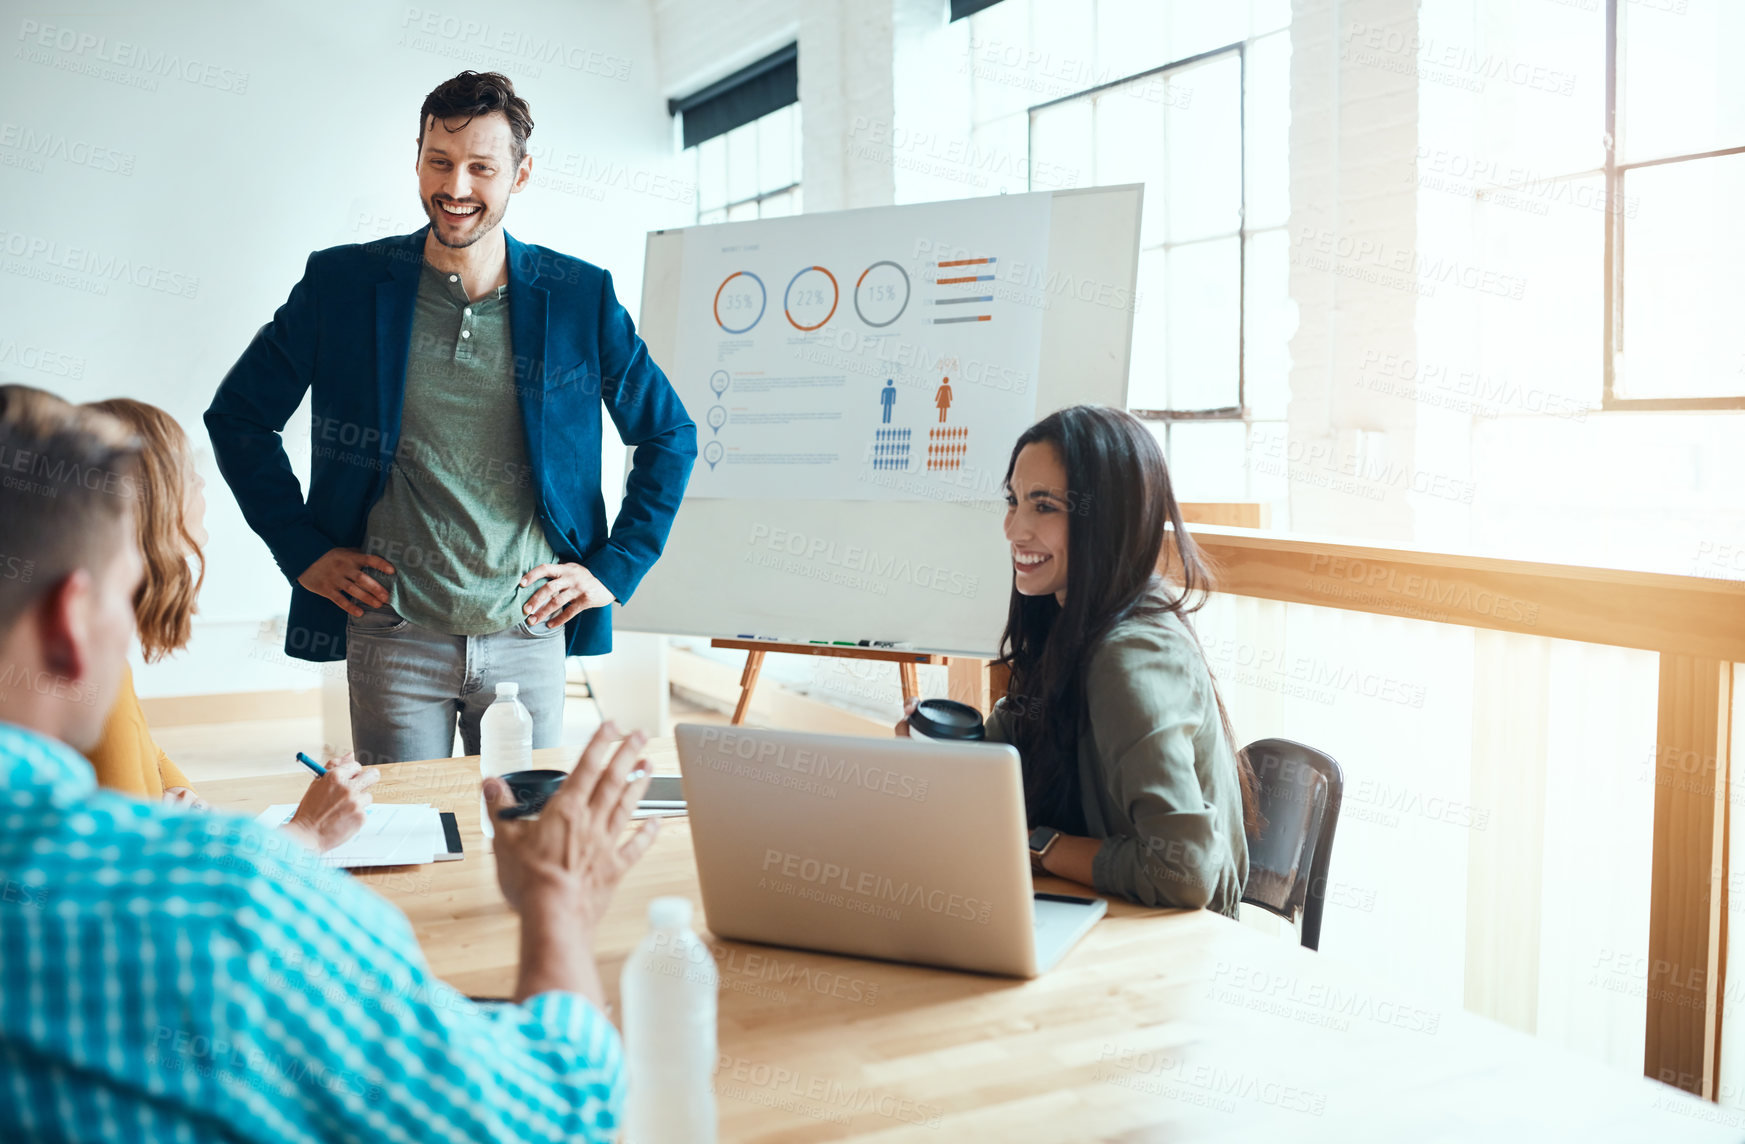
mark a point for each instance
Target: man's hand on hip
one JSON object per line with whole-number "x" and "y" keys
{"x": 339, "y": 575}
{"x": 569, "y": 590}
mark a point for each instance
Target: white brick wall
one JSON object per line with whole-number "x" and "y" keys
{"x": 1353, "y": 240}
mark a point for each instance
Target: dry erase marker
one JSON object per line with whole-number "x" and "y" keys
{"x": 311, "y": 763}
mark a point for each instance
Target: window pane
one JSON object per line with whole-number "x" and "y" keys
{"x": 1538, "y": 281}
{"x": 1268, "y": 132}
{"x": 742, "y": 162}
{"x": 775, "y": 148}
{"x": 1269, "y": 318}
{"x": 1202, "y": 325}
{"x": 1683, "y": 293}
{"x": 1203, "y": 144}
{"x": 1208, "y": 460}
{"x": 1130, "y": 149}
{"x": 743, "y": 210}
{"x": 1145, "y": 384}
{"x": 717, "y": 215}
{"x": 1681, "y": 86}
{"x": 711, "y": 173}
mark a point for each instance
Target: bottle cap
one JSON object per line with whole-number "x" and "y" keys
{"x": 669, "y": 913}
{"x": 508, "y": 690}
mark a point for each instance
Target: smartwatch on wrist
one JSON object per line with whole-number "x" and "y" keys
{"x": 1042, "y": 840}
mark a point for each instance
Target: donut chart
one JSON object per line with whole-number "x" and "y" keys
{"x": 739, "y": 300}
{"x": 810, "y": 300}
{"x": 881, "y": 293}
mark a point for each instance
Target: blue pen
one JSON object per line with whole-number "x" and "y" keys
{"x": 311, "y": 764}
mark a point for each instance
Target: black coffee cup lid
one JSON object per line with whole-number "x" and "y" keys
{"x": 947, "y": 719}
{"x": 535, "y": 778}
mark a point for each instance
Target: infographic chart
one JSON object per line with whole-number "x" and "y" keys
{"x": 891, "y": 360}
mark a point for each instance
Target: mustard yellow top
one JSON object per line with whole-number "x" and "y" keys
{"x": 125, "y": 758}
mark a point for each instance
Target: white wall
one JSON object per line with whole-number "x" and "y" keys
{"x": 168, "y": 173}
{"x": 1354, "y": 135}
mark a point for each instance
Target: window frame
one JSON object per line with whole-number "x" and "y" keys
{"x": 1612, "y": 324}
{"x": 757, "y": 199}
{"x": 726, "y": 207}
{"x": 1239, "y": 411}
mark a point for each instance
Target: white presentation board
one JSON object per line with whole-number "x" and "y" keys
{"x": 857, "y": 379}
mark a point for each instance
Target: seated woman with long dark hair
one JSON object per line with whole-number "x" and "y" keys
{"x": 1129, "y": 761}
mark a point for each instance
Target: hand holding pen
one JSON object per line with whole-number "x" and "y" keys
{"x": 333, "y": 808}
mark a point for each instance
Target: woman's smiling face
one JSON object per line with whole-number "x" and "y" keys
{"x": 1036, "y": 521}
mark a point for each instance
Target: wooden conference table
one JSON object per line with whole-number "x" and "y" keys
{"x": 1160, "y": 1026}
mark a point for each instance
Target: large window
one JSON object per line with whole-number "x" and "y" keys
{"x": 1621, "y": 187}
{"x": 752, "y": 171}
{"x": 1192, "y": 100}
{"x": 742, "y": 133}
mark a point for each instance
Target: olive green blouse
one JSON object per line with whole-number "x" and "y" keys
{"x": 1157, "y": 778}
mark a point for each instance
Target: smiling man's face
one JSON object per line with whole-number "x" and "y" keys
{"x": 465, "y": 176}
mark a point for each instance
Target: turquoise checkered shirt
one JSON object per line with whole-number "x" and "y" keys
{"x": 170, "y": 975}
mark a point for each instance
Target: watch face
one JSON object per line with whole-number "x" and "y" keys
{"x": 1042, "y": 836}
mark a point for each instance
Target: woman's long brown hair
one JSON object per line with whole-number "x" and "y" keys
{"x": 1119, "y": 502}
{"x": 164, "y": 605}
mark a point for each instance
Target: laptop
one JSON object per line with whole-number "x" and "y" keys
{"x": 899, "y": 849}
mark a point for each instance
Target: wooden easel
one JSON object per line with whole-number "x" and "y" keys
{"x": 970, "y": 680}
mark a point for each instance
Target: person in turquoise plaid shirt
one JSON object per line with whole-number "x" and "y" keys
{"x": 174, "y": 975}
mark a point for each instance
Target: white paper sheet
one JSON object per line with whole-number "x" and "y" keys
{"x": 393, "y": 834}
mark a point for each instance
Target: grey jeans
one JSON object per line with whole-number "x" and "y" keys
{"x": 410, "y": 684}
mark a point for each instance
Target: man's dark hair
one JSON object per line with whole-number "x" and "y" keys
{"x": 471, "y": 94}
{"x": 71, "y": 475}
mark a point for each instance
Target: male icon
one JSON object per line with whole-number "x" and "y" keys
{"x": 888, "y": 398}
{"x": 943, "y": 398}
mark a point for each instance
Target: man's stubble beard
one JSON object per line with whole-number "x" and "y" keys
{"x": 492, "y": 221}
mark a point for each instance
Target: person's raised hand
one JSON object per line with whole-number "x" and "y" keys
{"x": 339, "y": 575}
{"x": 333, "y": 808}
{"x": 570, "y": 858}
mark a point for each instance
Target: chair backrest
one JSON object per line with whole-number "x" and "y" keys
{"x": 1300, "y": 790}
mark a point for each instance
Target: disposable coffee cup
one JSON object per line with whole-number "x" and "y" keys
{"x": 947, "y": 720}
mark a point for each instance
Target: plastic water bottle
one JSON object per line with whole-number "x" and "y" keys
{"x": 505, "y": 743}
{"x": 668, "y": 993}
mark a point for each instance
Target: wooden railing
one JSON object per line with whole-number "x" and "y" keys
{"x": 1697, "y": 627}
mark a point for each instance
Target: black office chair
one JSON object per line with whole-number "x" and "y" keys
{"x": 1299, "y": 791}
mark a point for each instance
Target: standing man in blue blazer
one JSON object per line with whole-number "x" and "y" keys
{"x": 454, "y": 535}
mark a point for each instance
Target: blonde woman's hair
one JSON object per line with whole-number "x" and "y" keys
{"x": 164, "y": 605}
{"x": 71, "y": 474}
